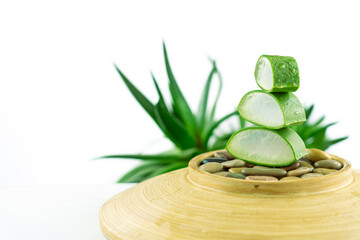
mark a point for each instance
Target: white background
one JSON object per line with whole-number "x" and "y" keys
{"x": 63, "y": 104}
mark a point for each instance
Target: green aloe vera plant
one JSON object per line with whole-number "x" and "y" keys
{"x": 314, "y": 134}
{"x": 192, "y": 133}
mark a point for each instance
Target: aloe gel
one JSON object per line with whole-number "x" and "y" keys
{"x": 266, "y": 147}
{"x": 271, "y": 110}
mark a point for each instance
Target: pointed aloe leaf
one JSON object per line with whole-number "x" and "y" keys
{"x": 204, "y": 98}
{"x": 173, "y": 128}
{"x": 337, "y": 140}
{"x": 308, "y": 111}
{"x": 325, "y": 143}
{"x": 185, "y": 154}
{"x": 242, "y": 122}
{"x": 138, "y": 172}
{"x": 141, "y": 99}
{"x": 318, "y": 141}
{"x": 301, "y": 129}
{"x": 219, "y": 144}
{"x": 318, "y": 138}
{"x": 143, "y": 175}
{"x": 180, "y": 104}
{"x": 148, "y": 157}
{"x": 318, "y": 122}
{"x": 168, "y": 168}
{"x": 221, "y": 140}
{"x": 309, "y": 126}
{"x": 212, "y": 114}
{"x": 224, "y": 136}
{"x": 314, "y": 131}
{"x": 168, "y": 156}
{"x": 174, "y": 113}
{"x": 210, "y": 130}
{"x": 322, "y": 130}
{"x": 157, "y": 87}
{"x": 189, "y": 153}
{"x": 307, "y": 129}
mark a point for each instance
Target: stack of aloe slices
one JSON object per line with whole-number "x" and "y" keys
{"x": 273, "y": 109}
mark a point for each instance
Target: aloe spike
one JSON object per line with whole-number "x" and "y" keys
{"x": 141, "y": 99}
{"x": 180, "y": 104}
{"x": 204, "y": 99}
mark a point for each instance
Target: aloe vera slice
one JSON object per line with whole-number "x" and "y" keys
{"x": 267, "y": 147}
{"x": 271, "y": 110}
{"x": 277, "y": 73}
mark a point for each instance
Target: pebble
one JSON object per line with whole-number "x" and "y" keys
{"x": 332, "y": 164}
{"x": 291, "y": 166}
{"x": 222, "y": 173}
{"x": 236, "y": 170}
{"x": 316, "y": 163}
{"x": 289, "y": 178}
{"x": 324, "y": 171}
{"x": 224, "y": 154}
{"x": 233, "y": 163}
{"x": 311, "y": 175}
{"x": 305, "y": 160}
{"x": 303, "y": 163}
{"x": 315, "y": 155}
{"x": 249, "y": 165}
{"x": 212, "y": 167}
{"x": 218, "y": 160}
{"x": 299, "y": 171}
{"x": 262, "y": 167}
{"x": 235, "y": 175}
{"x": 262, "y": 178}
{"x": 275, "y": 172}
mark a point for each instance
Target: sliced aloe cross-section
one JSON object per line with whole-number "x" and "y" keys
{"x": 277, "y": 73}
{"x": 271, "y": 110}
{"x": 267, "y": 147}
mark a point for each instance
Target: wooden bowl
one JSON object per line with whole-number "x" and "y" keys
{"x": 192, "y": 204}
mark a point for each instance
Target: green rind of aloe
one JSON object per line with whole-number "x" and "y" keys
{"x": 285, "y": 73}
{"x": 195, "y": 133}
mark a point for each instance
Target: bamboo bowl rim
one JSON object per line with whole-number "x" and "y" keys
{"x": 298, "y": 187}
{"x": 191, "y": 204}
